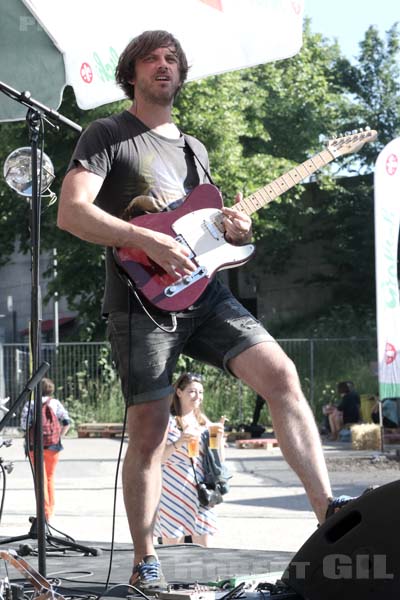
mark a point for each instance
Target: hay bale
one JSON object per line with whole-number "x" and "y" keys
{"x": 366, "y": 437}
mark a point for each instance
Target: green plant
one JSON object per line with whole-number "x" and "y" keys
{"x": 93, "y": 394}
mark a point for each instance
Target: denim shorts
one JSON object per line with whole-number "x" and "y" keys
{"x": 147, "y": 363}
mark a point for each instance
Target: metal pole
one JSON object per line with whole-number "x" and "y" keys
{"x": 35, "y": 339}
{"x": 56, "y": 320}
{"x": 381, "y": 426}
{"x": 240, "y": 400}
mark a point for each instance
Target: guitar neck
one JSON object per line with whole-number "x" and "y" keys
{"x": 279, "y": 186}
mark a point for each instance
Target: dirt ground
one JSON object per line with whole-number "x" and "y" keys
{"x": 375, "y": 462}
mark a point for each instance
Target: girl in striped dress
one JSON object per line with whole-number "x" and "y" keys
{"x": 180, "y": 513}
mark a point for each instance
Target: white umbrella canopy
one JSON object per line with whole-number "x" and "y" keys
{"x": 48, "y": 44}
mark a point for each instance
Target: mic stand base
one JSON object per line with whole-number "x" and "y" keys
{"x": 53, "y": 541}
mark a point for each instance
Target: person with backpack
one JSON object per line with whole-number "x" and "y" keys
{"x": 180, "y": 513}
{"x": 55, "y": 424}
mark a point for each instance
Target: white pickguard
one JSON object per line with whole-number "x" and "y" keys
{"x": 210, "y": 248}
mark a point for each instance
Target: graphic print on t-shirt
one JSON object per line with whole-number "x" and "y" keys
{"x": 165, "y": 189}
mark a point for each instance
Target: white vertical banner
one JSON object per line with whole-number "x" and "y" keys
{"x": 387, "y": 222}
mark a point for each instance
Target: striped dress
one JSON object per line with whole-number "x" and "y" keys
{"x": 180, "y": 513}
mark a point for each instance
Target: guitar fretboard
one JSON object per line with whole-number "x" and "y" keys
{"x": 283, "y": 183}
{"x": 337, "y": 147}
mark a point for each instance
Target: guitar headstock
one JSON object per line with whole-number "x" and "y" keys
{"x": 353, "y": 142}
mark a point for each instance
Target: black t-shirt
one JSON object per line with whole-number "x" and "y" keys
{"x": 350, "y": 407}
{"x": 138, "y": 165}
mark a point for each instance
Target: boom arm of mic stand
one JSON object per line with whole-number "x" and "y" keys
{"x": 26, "y": 99}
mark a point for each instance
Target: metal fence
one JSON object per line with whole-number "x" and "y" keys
{"x": 83, "y": 373}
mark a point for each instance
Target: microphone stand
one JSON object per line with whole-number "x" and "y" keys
{"x": 37, "y": 113}
{"x": 34, "y": 121}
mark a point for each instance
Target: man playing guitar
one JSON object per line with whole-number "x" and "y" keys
{"x": 141, "y": 155}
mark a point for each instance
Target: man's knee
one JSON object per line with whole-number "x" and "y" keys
{"x": 285, "y": 382}
{"x": 147, "y": 426}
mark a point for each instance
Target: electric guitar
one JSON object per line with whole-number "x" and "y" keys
{"x": 198, "y": 225}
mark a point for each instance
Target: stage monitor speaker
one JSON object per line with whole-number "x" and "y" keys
{"x": 354, "y": 554}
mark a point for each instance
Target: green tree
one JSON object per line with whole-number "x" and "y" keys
{"x": 14, "y": 214}
{"x": 338, "y": 211}
{"x": 294, "y": 104}
{"x": 373, "y": 83}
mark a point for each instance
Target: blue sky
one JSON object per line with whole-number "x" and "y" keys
{"x": 348, "y": 20}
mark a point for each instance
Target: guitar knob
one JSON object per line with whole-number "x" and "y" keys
{"x": 187, "y": 279}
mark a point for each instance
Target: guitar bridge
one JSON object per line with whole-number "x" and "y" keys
{"x": 184, "y": 282}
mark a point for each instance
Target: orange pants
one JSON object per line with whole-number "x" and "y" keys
{"x": 50, "y": 459}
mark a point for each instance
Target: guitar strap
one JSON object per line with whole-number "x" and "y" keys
{"x": 195, "y": 157}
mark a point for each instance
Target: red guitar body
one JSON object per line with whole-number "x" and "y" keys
{"x": 197, "y": 225}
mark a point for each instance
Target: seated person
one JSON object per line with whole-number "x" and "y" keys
{"x": 347, "y": 411}
{"x": 390, "y": 416}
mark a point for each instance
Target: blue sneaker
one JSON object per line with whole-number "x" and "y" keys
{"x": 147, "y": 574}
{"x": 337, "y": 503}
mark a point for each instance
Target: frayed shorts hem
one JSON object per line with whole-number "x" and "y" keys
{"x": 245, "y": 345}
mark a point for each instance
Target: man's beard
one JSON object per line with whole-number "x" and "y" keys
{"x": 161, "y": 97}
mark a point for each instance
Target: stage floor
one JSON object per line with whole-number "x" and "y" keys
{"x": 73, "y": 573}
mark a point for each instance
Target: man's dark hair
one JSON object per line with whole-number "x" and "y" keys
{"x": 343, "y": 387}
{"x": 140, "y": 47}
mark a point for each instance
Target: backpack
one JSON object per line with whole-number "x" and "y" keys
{"x": 50, "y": 426}
{"x": 216, "y": 474}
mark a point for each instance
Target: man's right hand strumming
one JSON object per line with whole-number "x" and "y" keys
{"x": 166, "y": 252}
